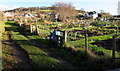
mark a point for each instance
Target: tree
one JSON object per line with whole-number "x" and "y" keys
{"x": 65, "y": 10}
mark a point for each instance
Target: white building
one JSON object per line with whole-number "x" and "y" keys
{"x": 8, "y": 14}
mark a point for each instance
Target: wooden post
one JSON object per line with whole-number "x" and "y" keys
{"x": 64, "y": 36}
{"x": 31, "y": 28}
{"x": 26, "y": 21}
{"x": 36, "y": 26}
{"x": 117, "y": 30}
{"x": 57, "y": 40}
{"x": 51, "y": 36}
{"x": 114, "y": 47}
{"x": 86, "y": 42}
{"x": 36, "y": 21}
{"x": 37, "y": 31}
{"x": 21, "y": 21}
{"x": 61, "y": 41}
{"x": 76, "y": 35}
{"x": 55, "y": 37}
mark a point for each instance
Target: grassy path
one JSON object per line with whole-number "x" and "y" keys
{"x": 51, "y": 54}
{"x": 41, "y": 58}
{"x": 19, "y": 58}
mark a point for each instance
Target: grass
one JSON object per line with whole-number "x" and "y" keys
{"x": 43, "y": 32}
{"x": 78, "y": 58}
{"x": 81, "y": 43}
{"x": 39, "y": 59}
{"x": 7, "y": 52}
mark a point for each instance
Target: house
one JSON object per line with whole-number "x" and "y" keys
{"x": 89, "y": 15}
{"x": 9, "y": 16}
{"x": 28, "y": 15}
{"x": 93, "y": 15}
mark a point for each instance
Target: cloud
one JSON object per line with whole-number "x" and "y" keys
{"x": 5, "y": 7}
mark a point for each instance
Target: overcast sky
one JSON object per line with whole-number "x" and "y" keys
{"x": 88, "y": 5}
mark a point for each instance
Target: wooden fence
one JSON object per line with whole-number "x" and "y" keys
{"x": 114, "y": 47}
{"x": 61, "y": 38}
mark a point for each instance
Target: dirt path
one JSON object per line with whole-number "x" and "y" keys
{"x": 51, "y": 54}
{"x": 23, "y": 61}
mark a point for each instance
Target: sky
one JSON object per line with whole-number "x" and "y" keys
{"x": 109, "y": 6}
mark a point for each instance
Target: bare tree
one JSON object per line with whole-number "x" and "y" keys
{"x": 65, "y": 10}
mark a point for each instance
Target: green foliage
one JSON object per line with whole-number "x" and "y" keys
{"x": 95, "y": 24}
{"x": 56, "y": 23}
{"x": 115, "y": 24}
{"x": 39, "y": 59}
{"x": 99, "y": 23}
{"x": 81, "y": 43}
{"x": 78, "y": 58}
{"x": 43, "y": 32}
{"x": 8, "y": 60}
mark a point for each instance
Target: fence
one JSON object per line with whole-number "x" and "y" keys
{"x": 115, "y": 46}
{"x": 60, "y": 37}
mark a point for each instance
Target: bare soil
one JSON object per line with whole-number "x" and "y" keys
{"x": 21, "y": 57}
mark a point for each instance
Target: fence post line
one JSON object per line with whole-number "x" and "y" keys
{"x": 37, "y": 31}
{"x": 21, "y": 21}
{"x": 86, "y": 41}
{"x": 61, "y": 41}
{"x": 36, "y": 21}
{"x": 113, "y": 47}
{"x": 55, "y": 38}
{"x": 64, "y": 36}
{"x": 31, "y": 28}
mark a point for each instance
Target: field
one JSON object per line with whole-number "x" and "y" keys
{"x": 44, "y": 54}
{"x": 58, "y": 37}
